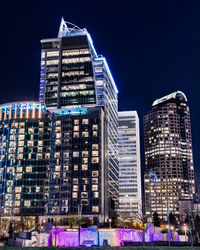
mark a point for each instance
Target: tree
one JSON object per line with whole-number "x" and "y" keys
{"x": 156, "y": 219}
{"x": 172, "y": 219}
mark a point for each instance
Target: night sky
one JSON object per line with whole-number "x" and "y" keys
{"x": 152, "y": 48}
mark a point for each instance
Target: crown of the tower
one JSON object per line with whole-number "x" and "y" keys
{"x": 69, "y": 29}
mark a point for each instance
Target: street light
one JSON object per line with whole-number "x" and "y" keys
{"x": 185, "y": 228}
{"x": 79, "y": 223}
{"x": 110, "y": 220}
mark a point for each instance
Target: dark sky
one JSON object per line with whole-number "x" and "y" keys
{"x": 152, "y": 47}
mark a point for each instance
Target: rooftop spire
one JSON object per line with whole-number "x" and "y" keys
{"x": 67, "y": 28}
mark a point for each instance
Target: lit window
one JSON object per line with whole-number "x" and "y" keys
{"x": 75, "y": 167}
{"x": 75, "y": 188}
{"x": 66, "y": 154}
{"x": 75, "y": 154}
{"x": 57, "y": 168}
{"x": 19, "y": 169}
{"x": 37, "y": 189}
{"x": 95, "y": 127}
{"x": 18, "y": 190}
{"x": 95, "y": 146}
{"x": 95, "y": 209}
{"x": 95, "y": 173}
{"x": 95, "y": 159}
{"x": 85, "y": 121}
{"x": 84, "y": 153}
{"x": 84, "y": 134}
{"x": 84, "y": 181}
{"x": 17, "y": 203}
{"x": 95, "y": 153}
{"x": 75, "y": 195}
{"x": 95, "y": 133}
{"x": 84, "y": 160}
{"x": 84, "y": 195}
{"x": 27, "y": 203}
{"x": 94, "y": 187}
{"x": 76, "y": 122}
{"x": 75, "y": 181}
{"x": 84, "y": 167}
{"x": 76, "y": 134}
{"x": 28, "y": 169}
{"x": 96, "y": 194}
{"x": 76, "y": 128}
{"x": 94, "y": 180}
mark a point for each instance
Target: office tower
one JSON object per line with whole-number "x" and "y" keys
{"x": 169, "y": 172}
{"x": 130, "y": 196}
{"x": 74, "y": 76}
{"x": 51, "y": 163}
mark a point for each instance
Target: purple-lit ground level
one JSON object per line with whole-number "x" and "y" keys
{"x": 113, "y": 237}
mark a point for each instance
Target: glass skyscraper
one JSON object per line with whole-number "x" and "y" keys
{"x": 130, "y": 196}
{"x": 61, "y": 152}
{"x": 73, "y": 75}
{"x": 169, "y": 168}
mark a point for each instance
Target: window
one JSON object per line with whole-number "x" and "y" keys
{"x": 85, "y": 121}
{"x": 95, "y": 153}
{"x": 95, "y": 133}
{"x": 75, "y": 188}
{"x": 84, "y": 153}
{"x": 75, "y": 154}
{"x": 19, "y": 169}
{"x": 76, "y": 128}
{"x": 75, "y": 167}
{"x": 84, "y": 160}
{"x": 96, "y": 194}
{"x": 37, "y": 189}
{"x": 95, "y": 209}
{"x": 95, "y": 127}
{"x": 76, "y": 122}
{"x": 84, "y": 181}
{"x": 29, "y": 169}
{"x": 95, "y": 159}
{"x": 94, "y": 180}
{"x": 75, "y": 180}
{"x": 95, "y": 173}
{"x": 27, "y": 203}
{"x": 84, "y": 167}
{"x": 57, "y": 168}
{"x": 95, "y": 146}
{"x": 84, "y": 134}
{"x": 94, "y": 187}
{"x": 84, "y": 195}
{"x": 18, "y": 190}
{"x": 74, "y": 195}
{"x": 76, "y": 135}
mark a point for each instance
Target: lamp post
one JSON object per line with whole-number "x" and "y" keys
{"x": 110, "y": 220}
{"x": 79, "y": 223}
{"x": 185, "y": 230}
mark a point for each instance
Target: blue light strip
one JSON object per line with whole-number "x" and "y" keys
{"x": 91, "y": 44}
{"x": 108, "y": 70}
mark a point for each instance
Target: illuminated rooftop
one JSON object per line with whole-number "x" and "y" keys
{"x": 175, "y": 95}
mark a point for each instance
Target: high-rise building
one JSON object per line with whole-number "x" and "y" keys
{"x": 169, "y": 168}
{"x": 130, "y": 196}
{"x": 50, "y": 163}
{"x": 73, "y": 75}
{"x": 61, "y": 153}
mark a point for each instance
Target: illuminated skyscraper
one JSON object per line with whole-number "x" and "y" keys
{"x": 61, "y": 152}
{"x": 74, "y": 76}
{"x": 130, "y": 196}
{"x": 169, "y": 169}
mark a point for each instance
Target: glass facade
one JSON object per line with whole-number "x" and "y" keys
{"x": 73, "y": 75}
{"x": 168, "y": 154}
{"x": 52, "y": 163}
{"x": 130, "y": 196}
